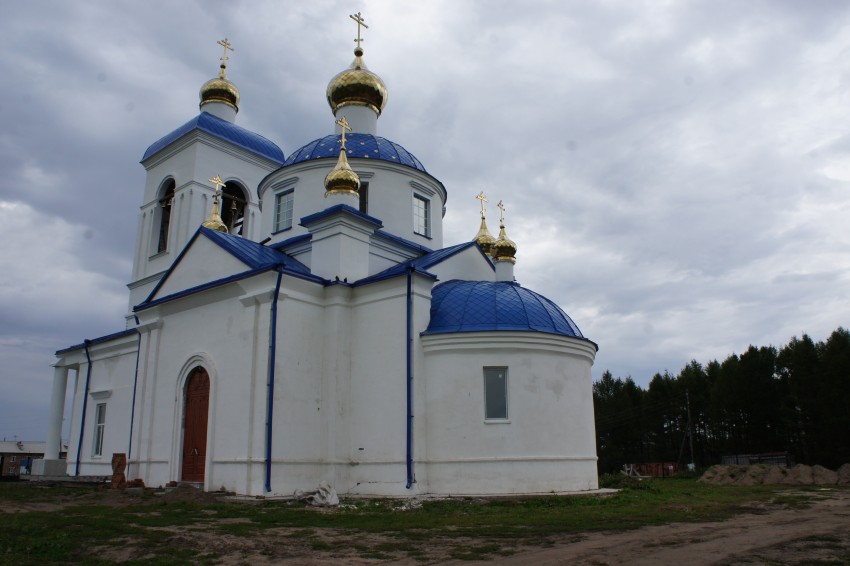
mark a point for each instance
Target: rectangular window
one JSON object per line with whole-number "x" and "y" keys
{"x": 99, "y": 425}
{"x": 283, "y": 208}
{"x": 12, "y": 459}
{"x": 496, "y": 393}
{"x": 421, "y": 215}
{"x": 364, "y": 197}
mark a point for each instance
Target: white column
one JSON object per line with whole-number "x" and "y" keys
{"x": 57, "y": 409}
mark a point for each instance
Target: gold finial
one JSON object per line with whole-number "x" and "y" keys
{"x": 504, "y": 249}
{"x": 214, "y": 222}
{"x": 343, "y": 125}
{"x": 227, "y": 46}
{"x": 484, "y": 238}
{"x": 483, "y": 198}
{"x": 360, "y": 22}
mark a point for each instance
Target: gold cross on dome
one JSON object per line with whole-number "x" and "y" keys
{"x": 480, "y": 196}
{"x": 218, "y": 184}
{"x": 501, "y": 212}
{"x": 227, "y": 47}
{"x": 343, "y": 125}
{"x": 360, "y": 22}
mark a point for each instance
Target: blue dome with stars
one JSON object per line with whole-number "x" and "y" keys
{"x": 358, "y": 146}
{"x": 475, "y": 306}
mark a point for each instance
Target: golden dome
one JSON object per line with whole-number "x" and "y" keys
{"x": 220, "y": 89}
{"x": 214, "y": 222}
{"x": 484, "y": 238}
{"x": 357, "y": 85}
{"x": 342, "y": 178}
{"x": 504, "y": 249}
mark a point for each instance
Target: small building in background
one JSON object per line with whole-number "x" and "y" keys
{"x": 16, "y": 456}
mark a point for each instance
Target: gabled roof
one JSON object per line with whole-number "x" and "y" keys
{"x": 223, "y": 129}
{"x": 256, "y": 257}
{"x": 364, "y": 146}
{"x": 420, "y": 264}
{"x": 475, "y": 306}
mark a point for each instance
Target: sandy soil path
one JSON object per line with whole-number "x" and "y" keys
{"x": 820, "y": 532}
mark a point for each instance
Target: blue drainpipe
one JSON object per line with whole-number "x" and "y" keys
{"x": 83, "y": 416}
{"x": 270, "y": 401}
{"x": 135, "y": 383}
{"x": 409, "y": 381}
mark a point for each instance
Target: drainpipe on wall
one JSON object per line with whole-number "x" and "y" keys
{"x": 85, "y": 403}
{"x": 409, "y": 379}
{"x": 270, "y": 384}
{"x": 135, "y": 383}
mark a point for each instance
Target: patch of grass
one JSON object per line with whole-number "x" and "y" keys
{"x": 495, "y": 526}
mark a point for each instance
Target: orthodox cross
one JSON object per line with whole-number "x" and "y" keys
{"x": 501, "y": 212}
{"x": 480, "y": 196}
{"x": 360, "y": 22}
{"x": 218, "y": 184}
{"x": 343, "y": 125}
{"x": 227, "y": 46}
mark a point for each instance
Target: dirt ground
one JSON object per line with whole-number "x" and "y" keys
{"x": 771, "y": 534}
{"x": 819, "y": 534}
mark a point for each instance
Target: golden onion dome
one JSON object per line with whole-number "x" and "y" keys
{"x": 484, "y": 238}
{"x": 220, "y": 89}
{"x": 504, "y": 249}
{"x": 214, "y": 221}
{"x": 342, "y": 178}
{"x": 357, "y": 85}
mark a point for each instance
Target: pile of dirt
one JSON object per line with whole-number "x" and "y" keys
{"x": 761, "y": 474}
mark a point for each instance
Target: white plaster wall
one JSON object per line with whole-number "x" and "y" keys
{"x": 203, "y": 263}
{"x": 468, "y": 265}
{"x": 111, "y": 382}
{"x": 547, "y": 443}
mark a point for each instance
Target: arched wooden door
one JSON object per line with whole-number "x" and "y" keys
{"x": 195, "y": 425}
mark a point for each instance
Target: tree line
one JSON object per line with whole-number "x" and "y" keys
{"x": 795, "y": 399}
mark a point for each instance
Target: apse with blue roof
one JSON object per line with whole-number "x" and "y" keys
{"x": 178, "y": 197}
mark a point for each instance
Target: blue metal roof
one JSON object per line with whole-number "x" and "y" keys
{"x": 474, "y": 306}
{"x": 254, "y": 254}
{"x": 364, "y": 146}
{"x": 420, "y": 264}
{"x": 223, "y": 129}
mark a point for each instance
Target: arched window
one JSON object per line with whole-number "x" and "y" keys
{"x": 233, "y": 207}
{"x": 166, "y": 200}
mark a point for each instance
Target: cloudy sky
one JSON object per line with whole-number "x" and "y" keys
{"x": 676, "y": 174}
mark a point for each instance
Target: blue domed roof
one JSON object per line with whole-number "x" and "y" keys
{"x": 223, "y": 129}
{"x": 474, "y": 306}
{"x": 364, "y": 146}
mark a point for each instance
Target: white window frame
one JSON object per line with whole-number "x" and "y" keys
{"x": 286, "y": 197}
{"x": 421, "y": 222}
{"x": 99, "y": 429}
{"x": 489, "y": 415}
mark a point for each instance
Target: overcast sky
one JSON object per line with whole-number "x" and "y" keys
{"x": 675, "y": 174}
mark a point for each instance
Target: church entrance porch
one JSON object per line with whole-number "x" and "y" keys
{"x": 195, "y": 426}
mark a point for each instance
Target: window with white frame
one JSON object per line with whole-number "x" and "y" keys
{"x": 421, "y": 215}
{"x": 283, "y": 207}
{"x": 495, "y": 393}
{"x": 99, "y": 426}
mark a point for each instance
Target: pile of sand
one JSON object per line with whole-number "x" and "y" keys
{"x": 761, "y": 474}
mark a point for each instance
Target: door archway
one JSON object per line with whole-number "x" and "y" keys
{"x": 197, "y": 405}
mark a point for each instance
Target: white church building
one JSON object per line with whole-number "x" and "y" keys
{"x": 297, "y": 319}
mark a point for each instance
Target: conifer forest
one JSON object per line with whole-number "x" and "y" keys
{"x": 794, "y": 399}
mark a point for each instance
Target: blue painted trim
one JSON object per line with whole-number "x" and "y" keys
{"x": 292, "y": 240}
{"x": 270, "y": 400}
{"x": 94, "y": 341}
{"x": 409, "y": 344}
{"x": 83, "y": 415}
{"x": 162, "y": 280}
{"x": 384, "y": 275}
{"x": 337, "y": 209}
{"x": 404, "y": 242}
{"x": 133, "y": 405}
